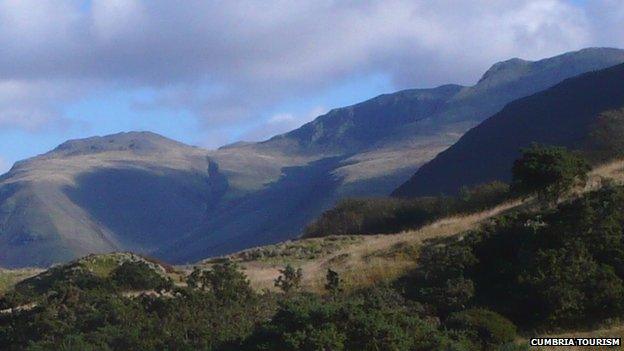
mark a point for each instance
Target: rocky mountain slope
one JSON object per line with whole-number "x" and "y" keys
{"x": 142, "y": 192}
{"x": 583, "y": 113}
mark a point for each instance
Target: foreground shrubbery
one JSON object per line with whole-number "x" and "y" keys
{"x": 219, "y": 311}
{"x": 217, "y": 314}
{"x": 560, "y": 268}
{"x": 377, "y": 319}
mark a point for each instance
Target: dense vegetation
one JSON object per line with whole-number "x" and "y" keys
{"x": 548, "y": 172}
{"x": 219, "y": 311}
{"x": 81, "y": 311}
{"x": 562, "y": 267}
{"x": 392, "y": 215}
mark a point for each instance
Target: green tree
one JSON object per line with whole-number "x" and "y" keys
{"x": 289, "y": 279}
{"x": 333, "y": 284}
{"x": 549, "y": 171}
{"x": 225, "y": 280}
{"x": 139, "y": 276}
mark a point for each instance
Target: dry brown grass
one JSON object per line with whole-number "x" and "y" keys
{"x": 382, "y": 258}
{"x": 372, "y": 260}
{"x": 613, "y": 171}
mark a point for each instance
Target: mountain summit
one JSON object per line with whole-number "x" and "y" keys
{"x": 139, "y": 142}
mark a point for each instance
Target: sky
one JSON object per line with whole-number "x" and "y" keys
{"x": 210, "y": 73}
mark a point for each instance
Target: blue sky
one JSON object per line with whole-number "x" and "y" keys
{"x": 211, "y": 73}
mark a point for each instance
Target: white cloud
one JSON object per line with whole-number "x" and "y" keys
{"x": 34, "y": 105}
{"x": 226, "y": 61}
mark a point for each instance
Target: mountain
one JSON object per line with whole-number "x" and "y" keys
{"x": 142, "y": 192}
{"x": 131, "y": 191}
{"x": 581, "y": 113}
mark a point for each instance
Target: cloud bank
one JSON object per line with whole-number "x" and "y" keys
{"x": 225, "y": 62}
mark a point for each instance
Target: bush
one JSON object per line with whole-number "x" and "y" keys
{"x": 376, "y": 319}
{"x": 376, "y": 216}
{"x": 138, "y": 275}
{"x": 289, "y": 279}
{"x": 391, "y": 215}
{"x": 333, "y": 283}
{"x": 549, "y": 171}
{"x": 225, "y": 280}
{"x": 482, "y": 196}
{"x": 97, "y": 319}
{"x": 485, "y": 328}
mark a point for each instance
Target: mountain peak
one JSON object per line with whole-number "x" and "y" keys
{"x": 589, "y": 59}
{"x": 505, "y": 70}
{"x": 139, "y": 142}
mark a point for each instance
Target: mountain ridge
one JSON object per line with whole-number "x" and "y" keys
{"x": 486, "y": 152}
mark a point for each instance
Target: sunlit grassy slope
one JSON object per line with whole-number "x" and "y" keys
{"x": 9, "y": 277}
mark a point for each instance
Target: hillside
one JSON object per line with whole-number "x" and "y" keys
{"x": 142, "y": 192}
{"x": 130, "y": 191}
{"x": 366, "y": 260}
{"x": 582, "y": 113}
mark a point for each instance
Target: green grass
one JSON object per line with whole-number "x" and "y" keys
{"x": 101, "y": 265}
{"x": 8, "y": 278}
{"x": 294, "y": 251}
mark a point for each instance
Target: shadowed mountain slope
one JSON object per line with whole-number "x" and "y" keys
{"x": 565, "y": 115}
{"x": 129, "y": 191}
{"x": 143, "y": 192}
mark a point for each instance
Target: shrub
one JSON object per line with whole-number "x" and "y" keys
{"x": 289, "y": 279}
{"x": 549, "y": 171}
{"x": 138, "y": 275}
{"x": 485, "y": 328}
{"x": 378, "y": 216}
{"x": 440, "y": 280}
{"x": 482, "y": 196}
{"x": 605, "y": 136}
{"x": 377, "y": 319}
{"x": 333, "y": 284}
{"x": 225, "y": 280}
{"x": 391, "y": 215}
